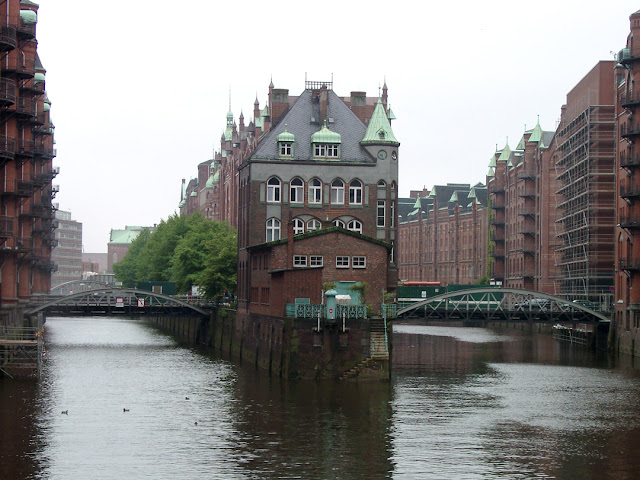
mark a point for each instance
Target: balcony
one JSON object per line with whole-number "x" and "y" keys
{"x": 8, "y": 38}
{"x": 46, "y": 151}
{"x": 629, "y": 264}
{"x": 25, "y": 109}
{"x": 42, "y": 125}
{"x": 16, "y": 188}
{"x": 38, "y": 211}
{"x": 632, "y": 221}
{"x": 34, "y": 86}
{"x": 630, "y": 191}
{"x": 527, "y": 230}
{"x": 7, "y": 148}
{"x": 7, "y": 92}
{"x": 630, "y": 99}
{"x": 527, "y": 174}
{"x": 497, "y": 221}
{"x": 627, "y": 56}
{"x": 498, "y": 252}
{"x": 20, "y": 67}
{"x": 26, "y": 27}
{"x": 40, "y": 179}
{"x": 527, "y": 192}
{"x": 6, "y": 226}
{"x": 629, "y": 159}
{"x": 25, "y": 148}
{"x": 629, "y": 129}
{"x": 528, "y": 273}
{"x": 527, "y": 211}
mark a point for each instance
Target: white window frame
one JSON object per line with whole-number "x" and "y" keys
{"x": 316, "y": 260}
{"x": 381, "y": 213}
{"x": 326, "y": 150}
{"x": 313, "y": 224}
{"x": 299, "y": 261}
{"x": 298, "y": 226}
{"x": 339, "y": 223}
{"x": 342, "y": 261}
{"x": 337, "y": 192}
{"x": 273, "y": 230}
{"x": 359, "y": 261}
{"x": 355, "y": 226}
{"x": 355, "y": 192}
{"x": 286, "y": 149}
{"x": 273, "y": 190}
{"x": 315, "y": 191}
{"x": 296, "y": 190}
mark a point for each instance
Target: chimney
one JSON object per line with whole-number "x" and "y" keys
{"x": 359, "y": 105}
{"x": 324, "y": 99}
{"x": 279, "y": 104}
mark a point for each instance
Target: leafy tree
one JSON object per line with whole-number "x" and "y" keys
{"x": 126, "y": 270}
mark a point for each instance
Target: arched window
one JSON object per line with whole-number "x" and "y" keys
{"x": 273, "y": 229}
{"x": 315, "y": 191}
{"x": 313, "y": 225}
{"x": 355, "y": 192}
{"x": 354, "y": 226}
{"x": 382, "y": 184}
{"x": 337, "y": 192}
{"x": 298, "y": 226}
{"x": 339, "y": 223}
{"x": 273, "y": 190}
{"x": 296, "y": 191}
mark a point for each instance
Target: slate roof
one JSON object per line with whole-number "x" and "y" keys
{"x": 298, "y": 121}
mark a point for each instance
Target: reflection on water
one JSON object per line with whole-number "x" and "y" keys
{"x": 462, "y": 403}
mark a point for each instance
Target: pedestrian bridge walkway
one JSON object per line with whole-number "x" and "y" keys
{"x": 500, "y": 304}
{"x": 115, "y": 301}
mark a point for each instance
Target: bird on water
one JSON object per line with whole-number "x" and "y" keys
{"x": 65, "y": 412}
{"x": 125, "y": 409}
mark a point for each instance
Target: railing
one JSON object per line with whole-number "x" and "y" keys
{"x": 629, "y": 191}
{"x": 8, "y": 37}
{"x": 351, "y": 311}
{"x": 629, "y": 129}
{"x": 6, "y": 226}
{"x": 308, "y": 310}
{"x": 8, "y": 91}
{"x": 527, "y": 174}
{"x": 389, "y": 310}
{"x": 629, "y": 99}
{"x": 629, "y": 264}
{"x": 22, "y": 67}
{"x": 20, "y": 188}
{"x": 527, "y": 192}
{"x": 25, "y": 147}
{"x": 632, "y": 221}
{"x": 7, "y": 147}
{"x": 629, "y": 159}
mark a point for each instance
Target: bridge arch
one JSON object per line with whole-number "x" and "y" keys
{"x": 77, "y": 286}
{"x": 104, "y": 300}
{"x": 510, "y": 303}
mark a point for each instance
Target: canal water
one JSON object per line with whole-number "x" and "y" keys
{"x": 461, "y": 404}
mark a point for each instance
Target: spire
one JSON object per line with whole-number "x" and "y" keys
{"x": 379, "y": 129}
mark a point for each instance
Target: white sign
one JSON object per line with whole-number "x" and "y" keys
{"x": 119, "y": 302}
{"x": 424, "y": 294}
{"x": 141, "y": 303}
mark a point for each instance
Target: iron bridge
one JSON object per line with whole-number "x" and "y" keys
{"x": 500, "y": 304}
{"x": 115, "y": 301}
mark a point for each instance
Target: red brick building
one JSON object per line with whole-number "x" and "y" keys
{"x": 26, "y": 155}
{"x": 443, "y": 234}
{"x": 202, "y": 194}
{"x": 626, "y": 322}
{"x": 324, "y": 161}
{"x": 521, "y": 189}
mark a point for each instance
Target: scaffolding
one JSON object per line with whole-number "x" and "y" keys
{"x": 586, "y": 204}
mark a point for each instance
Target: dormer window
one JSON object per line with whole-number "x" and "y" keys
{"x": 285, "y": 143}
{"x": 326, "y": 144}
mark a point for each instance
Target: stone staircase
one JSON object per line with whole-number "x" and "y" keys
{"x": 378, "y": 351}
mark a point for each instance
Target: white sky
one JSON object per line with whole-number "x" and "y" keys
{"x": 140, "y": 90}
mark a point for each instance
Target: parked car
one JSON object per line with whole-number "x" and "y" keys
{"x": 536, "y": 303}
{"x": 586, "y": 303}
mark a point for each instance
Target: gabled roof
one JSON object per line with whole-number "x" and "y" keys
{"x": 302, "y": 119}
{"x": 316, "y": 233}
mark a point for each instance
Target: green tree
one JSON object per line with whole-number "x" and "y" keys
{"x": 154, "y": 262}
{"x": 126, "y": 270}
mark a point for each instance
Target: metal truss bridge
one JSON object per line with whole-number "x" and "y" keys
{"x": 115, "y": 301}
{"x": 500, "y": 304}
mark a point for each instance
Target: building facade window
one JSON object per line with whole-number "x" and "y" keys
{"x": 298, "y": 226}
{"x": 355, "y": 226}
{"x": 313, "y": 225}
{"x": 337, "y": 192}
{"x": 316, "y": 260}
{"x": 315, "y": 191}
{"x": 342, "y": 261}
{"x": 339, "y": 223}
{"x": 273, "y": 229}
{"x": 273, "y": 190}
{"x": 326, "y": 150}
{"x": 296, "y": 191}
{"x": 299, "y": 260}
{"x": 380, "y": 217}
{"x": 355, "y": 192}
{"x": 286, "y": 149}
{"x": 359, "y": 261}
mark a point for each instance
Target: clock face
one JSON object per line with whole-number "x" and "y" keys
{"x": 382, "y": 154}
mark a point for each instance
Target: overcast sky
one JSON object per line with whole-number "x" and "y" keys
{"x": 140, "y": 90}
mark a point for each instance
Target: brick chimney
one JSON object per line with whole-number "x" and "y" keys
{"x": 359, "y": 105}
{"x": 324, "y": 99}
{"x": 279, "y": 103}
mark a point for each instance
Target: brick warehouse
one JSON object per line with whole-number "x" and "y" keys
{"x": 443, "y": 234}
{"x": 322, "y": 164}
{"x": 26, "y": 155}
{"x": 626, "y": 321}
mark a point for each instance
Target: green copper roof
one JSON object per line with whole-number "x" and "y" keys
{"x": 379, "y": 129}
{"x": 391, "y": 115}
{"x": 454, "y": 197}
{"x": 506, "y": 153}
{"x": 228, "y": 133}
{"x": 492, "y": 161}
{"x": 38, "y": 77}
{"x": 28, "y": 16}
{"x": 491, "y": 172}
{"x": 287, "y": 136}
{"x": 417, "y": 204}
{"x": 521, "y": 144}
{"x": 472, "y": 193}
{"x": 536, "y": 133}
{"x": 326, "y": 136}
